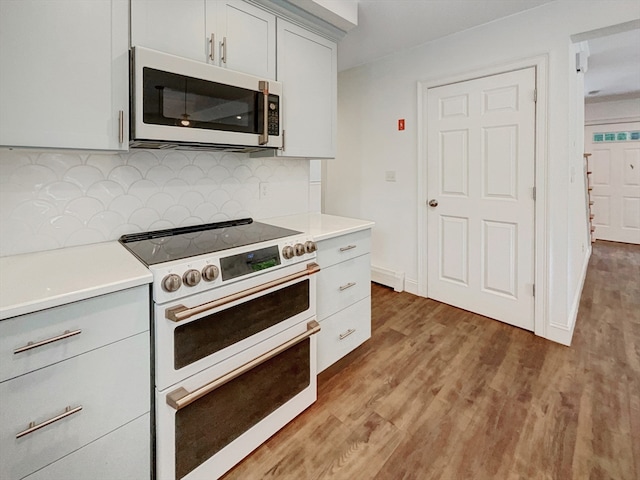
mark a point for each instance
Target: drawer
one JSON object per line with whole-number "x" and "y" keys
{"x": 343, "y": 332}
{"x": 337, "y": 249}
{"x": 111, "y": 384}
{"x": 124, "y": 454}
{"x": 342, "y": 285}
{"x": 101, "y": 320}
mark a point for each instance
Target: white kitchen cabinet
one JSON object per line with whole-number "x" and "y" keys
{"x": 231, "y": 34}
{"x": 64, "y": 74}
{"x": 343, "y": 295}
{"x": 307, "y": 67}
{"x": 81, "y": 389}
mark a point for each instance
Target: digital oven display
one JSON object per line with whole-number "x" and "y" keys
{"x": 249, "y": 262}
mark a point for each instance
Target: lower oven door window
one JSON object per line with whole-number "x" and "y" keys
{"x": 216, "y": 331}
{"x": 209, "y": 424}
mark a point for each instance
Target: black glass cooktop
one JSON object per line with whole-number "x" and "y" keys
{"x": 161, "y": 246}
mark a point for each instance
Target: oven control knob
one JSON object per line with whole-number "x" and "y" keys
{"x": 287, "y": 252}
{"x": 171, "y": 282}
{"x": 210, "y": 273}
{"x": 310, "y": 246}
{"x": 299, "y": 248}
{"x": 191, "y": 278}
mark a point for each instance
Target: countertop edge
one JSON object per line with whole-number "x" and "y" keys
{"x": 76, "y": 296}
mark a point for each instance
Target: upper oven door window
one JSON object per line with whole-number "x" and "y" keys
{"x": 223, "y": 328}
{"x": 178, "y": 100}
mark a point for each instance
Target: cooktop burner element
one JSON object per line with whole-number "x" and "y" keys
{"x": 161, "y": 246}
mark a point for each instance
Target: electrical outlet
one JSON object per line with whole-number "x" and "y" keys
{"x": 390, "y": 175}
{"x": 264, "y": 190}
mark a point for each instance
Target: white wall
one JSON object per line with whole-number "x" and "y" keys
{"x": 54, "y": 199}
{"x": 618, "y": 111}
{"x": 372, "y": 97}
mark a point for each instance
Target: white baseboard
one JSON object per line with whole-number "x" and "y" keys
{"x": 388, "y": 278}
{"x": 563, "y": 334}
{"x": 411, "y": 286}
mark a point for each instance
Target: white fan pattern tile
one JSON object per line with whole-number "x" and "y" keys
{"x": 52, "y": 200}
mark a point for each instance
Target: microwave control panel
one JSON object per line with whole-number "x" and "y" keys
{"x": 274, "y": 115}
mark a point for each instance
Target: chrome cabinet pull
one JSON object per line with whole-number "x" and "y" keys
{"x": 181, "y": 397}
{"x": 180, "y": 312}
{"x": 348, "y": 247}
{"x": 33, "y": 427}
{"x": 224, "y": 50}
{"x": 344, "y": 335}
{"x": 32, "y": 345}
{"x": 348, "y": 285}
{"x": 264, "y": 136}
{"x": 121, "y": 126}
{"x": 212, "y": 47}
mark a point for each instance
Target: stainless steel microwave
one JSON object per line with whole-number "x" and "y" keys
{"x": 184, "y": 104}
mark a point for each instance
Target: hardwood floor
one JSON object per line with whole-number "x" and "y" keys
{"x": 441, "y": 393}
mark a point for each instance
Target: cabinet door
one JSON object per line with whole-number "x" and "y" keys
{"x": 170, "y": 26}
{"x": 248, "y": 34}
{"x": 64, "y": 74}
{"x": 308, "y": 70}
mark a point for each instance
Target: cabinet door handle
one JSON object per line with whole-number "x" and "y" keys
{"x": 344, "y": 335}
{"x": 33, "y": 427}
{"x": 32, "y": 345}
{"x": 223, "y": 44}
{"x": 348, "y": 285}
{"x": 348, "y": 247}
{"x": 212, "y": 47}
{"x": 121, "y": 126}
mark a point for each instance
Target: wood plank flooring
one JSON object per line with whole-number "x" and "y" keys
{"x": 441, "y": 393}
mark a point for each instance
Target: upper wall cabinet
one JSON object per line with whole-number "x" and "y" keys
{"x": 307, "y": 68}
{"x": 231, "y": 34}
{"x": 64, "y": 74}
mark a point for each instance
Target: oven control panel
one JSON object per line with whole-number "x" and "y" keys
{"x": 181, "y": 278}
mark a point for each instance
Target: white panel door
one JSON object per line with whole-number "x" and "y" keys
{"x": 480, "y": 221}
{"x": 615, "y": 182}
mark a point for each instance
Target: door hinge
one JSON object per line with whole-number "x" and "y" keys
{"x": 533, "y": 289}
{"x": 535, "y": 95}
{"x": 533, "y": 193}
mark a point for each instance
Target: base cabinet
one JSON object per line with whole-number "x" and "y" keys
{"x": 73, "y": 390}
{"x": 344, "y": 295}
{"x": 114, "y": 456}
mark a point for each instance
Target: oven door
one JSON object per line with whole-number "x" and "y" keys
{"x": 196, "y": 332}
{"x": 209, "y": 422}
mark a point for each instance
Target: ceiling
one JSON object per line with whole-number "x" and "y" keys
{"x": 613, "y": 67}
{"x": 388, "y": 26}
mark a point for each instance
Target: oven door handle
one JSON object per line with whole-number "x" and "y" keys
{"x": 179, "y": 313}
{"x": 181, "y": 397}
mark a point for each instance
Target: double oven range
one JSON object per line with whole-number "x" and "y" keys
{"x": 234, "y": 337}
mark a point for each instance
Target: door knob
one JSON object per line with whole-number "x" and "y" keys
{"x": 433, "y": 203}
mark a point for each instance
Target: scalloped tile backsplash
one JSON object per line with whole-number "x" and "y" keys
{"x": 51, "y": 200}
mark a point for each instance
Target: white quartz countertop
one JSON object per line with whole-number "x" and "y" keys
{"x": 35, "y": 281}
{"x": 319, "y": 225}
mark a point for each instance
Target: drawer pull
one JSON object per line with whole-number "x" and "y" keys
{"x": 348, "y": 247}
{"x": 347, "y": 333}
{"x": 33, "y": 427}
{"x": 348, "y": 285}
{"x": 32, "y": 345}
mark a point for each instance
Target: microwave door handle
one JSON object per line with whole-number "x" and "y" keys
{"x": 264, "y": 136}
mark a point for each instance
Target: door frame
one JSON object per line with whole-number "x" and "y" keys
{"x": 541, "y": 260}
